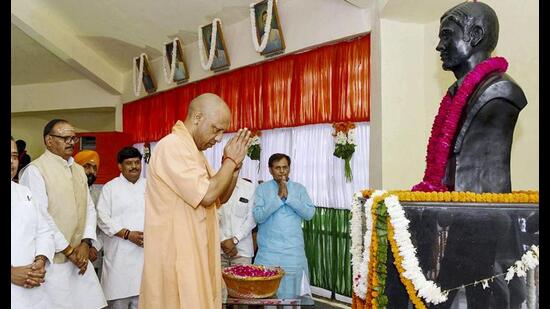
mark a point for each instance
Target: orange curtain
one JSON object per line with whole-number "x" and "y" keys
{"x": 324, "y": 85}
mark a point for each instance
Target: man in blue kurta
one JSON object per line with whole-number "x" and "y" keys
{"x": 279, "y": 207}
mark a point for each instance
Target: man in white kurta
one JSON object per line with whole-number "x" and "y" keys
{"x": 121, "y": 208}
{"x": 236, "y": 224}
{"x": 59, "y": 187}
{"x": 32, "y": 246}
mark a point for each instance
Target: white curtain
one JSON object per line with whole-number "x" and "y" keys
{"x": 313, "y": 165}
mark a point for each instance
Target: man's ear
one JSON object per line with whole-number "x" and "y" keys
{"x": 197, "y": 118}
{"x": 47, "y": 140}
{"x": 476, "y": 35}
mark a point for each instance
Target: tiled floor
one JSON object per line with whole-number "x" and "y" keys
{"x": 323, "y": 303}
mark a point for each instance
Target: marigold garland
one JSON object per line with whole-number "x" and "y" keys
{"x": 531, "y": 197}
{"x": 417, "y": 302}
{"x": 373, "y": 279}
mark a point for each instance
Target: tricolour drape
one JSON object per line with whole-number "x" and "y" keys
{"x": 313, "y": 165}
{"x": 327, "y": 245}
{"x": 324, "y": 85}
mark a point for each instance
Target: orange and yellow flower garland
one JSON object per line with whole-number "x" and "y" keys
{"x": 463, "y": 197}
{"x": 373, "y": 281}
{"x": 417, "y": 302}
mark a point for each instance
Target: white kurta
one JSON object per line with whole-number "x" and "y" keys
{"x": 64, "y": 285}
{"x": 30, "y": 236}
{"x": 236, "y": 218}
{"x": 121, "y": 205}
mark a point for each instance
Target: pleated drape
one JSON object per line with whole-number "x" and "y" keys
{"x": 324, "y": 85}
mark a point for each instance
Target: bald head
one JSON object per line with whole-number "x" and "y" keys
{"x": 207, "y": 119}
{"x": 208, "y": 104}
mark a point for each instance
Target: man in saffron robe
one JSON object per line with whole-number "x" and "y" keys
{"x": 181, "y": 238}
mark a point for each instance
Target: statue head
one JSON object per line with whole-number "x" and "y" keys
{"x": 468, "y": 33}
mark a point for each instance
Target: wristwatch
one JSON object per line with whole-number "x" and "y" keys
{"x": 88, "y": 241}
{"x": 235, "y": 240}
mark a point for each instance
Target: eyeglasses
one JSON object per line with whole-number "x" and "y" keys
{"x": 67, "y": 139}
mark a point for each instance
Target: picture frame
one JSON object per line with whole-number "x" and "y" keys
{"x": 221, "y": 57}
{"x": 181, "y": 74}
{"x": 148, "y": 79}
{"x": 276, "y": 43}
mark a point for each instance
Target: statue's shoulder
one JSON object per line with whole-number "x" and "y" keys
{"x": 497, "y": 86}
{"x": 500, "y": 86}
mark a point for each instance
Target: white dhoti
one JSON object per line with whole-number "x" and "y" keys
{"x": 69, "y": 290}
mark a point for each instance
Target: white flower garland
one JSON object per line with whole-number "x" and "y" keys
{"x": 267, "y": 27}
{"x": 213, "y": 38}
{"x": 169, "y": 75}
{"x": 529, "y": 260}
{"x": 356, "y": 250}
{"x": 426, "y": 289}
{"x": 360, "y": 251}
{"x": 139, "y": 81}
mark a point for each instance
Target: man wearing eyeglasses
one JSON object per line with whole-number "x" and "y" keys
{"x": 60, "y": 188}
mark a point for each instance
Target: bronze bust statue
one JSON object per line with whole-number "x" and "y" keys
{"x": 480, "y": 243}
{"x": 480, "y": 156}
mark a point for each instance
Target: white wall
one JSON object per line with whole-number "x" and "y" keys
{"x": 305, "y": 23}
{"x": 29, "y": 126}
{"x": 66, "y": 95}
{"x": 402, "y": 91}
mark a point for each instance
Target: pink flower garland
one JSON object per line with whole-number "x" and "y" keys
{"x": 446, "y": 123}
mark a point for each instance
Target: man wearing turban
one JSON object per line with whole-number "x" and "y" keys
{"x": 89, "y": 159}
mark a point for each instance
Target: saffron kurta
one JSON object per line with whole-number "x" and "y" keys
{"x": 280, "y": 236}
{"x": 181, "y": 240}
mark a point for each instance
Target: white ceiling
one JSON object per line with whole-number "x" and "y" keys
{"x": 58, "y": 40}
{"x": 115, "y": 30}
{"x": 31, "y": 63}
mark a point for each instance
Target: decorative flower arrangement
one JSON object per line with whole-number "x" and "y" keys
{"x": 388, "y": 223}
{"x": 446, "y": 123}
{"x": 254, "y": 148}
{"x": 169, "y": 72}
{"x": 344, "y": 133}
{"x": 147, "y": 152}
{"x": 208, "y": 64}
{"x": 259, "y": 47}
{"x": 138, "y": 82}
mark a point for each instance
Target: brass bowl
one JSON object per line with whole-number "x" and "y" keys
{"x": 252, "y": 287}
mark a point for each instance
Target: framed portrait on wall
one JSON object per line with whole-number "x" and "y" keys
{"x": 148, "y": 79}
{"x": 275, "y": 43}
{"x": 181, "y": 74}
{"x": 221, "y": 57}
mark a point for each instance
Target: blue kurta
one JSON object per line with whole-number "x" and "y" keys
{"x": 280, "y": 237}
